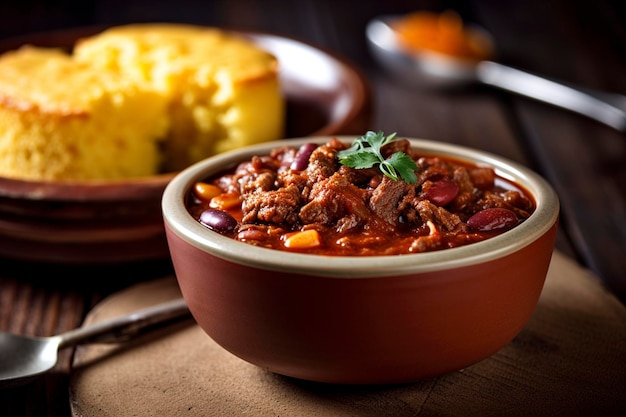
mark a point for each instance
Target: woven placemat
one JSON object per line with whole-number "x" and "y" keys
{"x": 570, "y": 360}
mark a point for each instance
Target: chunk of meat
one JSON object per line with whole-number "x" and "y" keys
{"x": 466, "y": 195}
{"x": 274, "y": 206}
{"x": 398, "y": 145}
{"x": 263, "y": 181}
{"x": 483, "y": 178}
{"x": 439, "y": 216}
{"x": 386, "y": 198}
{"x": 332, "y": 199}
{"x": 323, "y": 162}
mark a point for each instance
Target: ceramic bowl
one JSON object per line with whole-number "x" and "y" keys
{"x": 362, "y": 320}
{"x": 120, "y": 221}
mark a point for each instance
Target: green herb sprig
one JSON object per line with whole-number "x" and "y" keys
{"x": 365, "y": 152}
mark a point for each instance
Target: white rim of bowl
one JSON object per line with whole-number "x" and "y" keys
{"x": 182, "y": 223}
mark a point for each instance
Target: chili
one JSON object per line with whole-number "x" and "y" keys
{"x": 316, "y": 205}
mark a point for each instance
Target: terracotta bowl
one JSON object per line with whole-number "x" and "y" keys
{"x": 112, "y": 222}
{"x": 365, "y": 320}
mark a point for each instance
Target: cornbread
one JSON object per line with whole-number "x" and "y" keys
{"x": 134, "y": 101}
{"x": 222, "y": 91}
{"x": 61, "y": 119}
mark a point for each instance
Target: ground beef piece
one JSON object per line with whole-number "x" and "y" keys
{"x": 466, "y": 195}
{"x": 318, "y": 211}
{"x": 289, "y": 177}
{"x": 283, "y": 156}
{"x": 265, "y": 181}
{"x": 332, "y": 199}
{"x": 398, "y": 145}
{"x": 243, "y": 174}
{"x": 275, "y": 206}
{"x": 439, "y": 216}
{"x": 322, "y": 163}
{"x": 258, "y": 164}
{"x": 386, "y": 198}
{"x": 483, "y": 178}
{"x": 519, "y": 203}
{"x": 347, "y": 223}
{"x": 432, "y": 168}
{"x": 360, "y": 177}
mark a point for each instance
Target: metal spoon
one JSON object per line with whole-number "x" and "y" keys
{"x": 440, "y": 70}
{"x": 22, "y": 357}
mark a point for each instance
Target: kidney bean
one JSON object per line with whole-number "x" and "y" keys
{"x": 492, "y": 219}
{"x": 218, "y": 220}
{"x": 251, "y": 235}
{"x": 440, "y": 192}
{"x": 301, "y": 160}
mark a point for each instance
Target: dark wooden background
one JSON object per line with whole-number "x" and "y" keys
{"x": 582, "y": 42}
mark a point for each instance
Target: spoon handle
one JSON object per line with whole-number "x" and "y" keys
{"x": 593, "y": 105}
{"x": 122, "y": 328}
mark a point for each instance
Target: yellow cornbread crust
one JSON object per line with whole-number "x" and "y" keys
{"x": 63, "y": 120}
{"x": 134, "y": 101}
{"x": 222, "y": 91}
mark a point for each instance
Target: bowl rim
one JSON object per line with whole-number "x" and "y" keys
{"x": 178, "y": 220}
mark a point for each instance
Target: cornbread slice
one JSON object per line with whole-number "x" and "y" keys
{"x": 223, "y": 91}
{"x": 60, "y": 119}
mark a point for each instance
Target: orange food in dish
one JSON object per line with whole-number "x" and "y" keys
{"x": 442, "y": 33}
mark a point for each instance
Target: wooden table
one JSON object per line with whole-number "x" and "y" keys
{"x": 576, "y": 41}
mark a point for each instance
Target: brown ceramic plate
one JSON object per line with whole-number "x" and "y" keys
{"x": 120, "y": 221}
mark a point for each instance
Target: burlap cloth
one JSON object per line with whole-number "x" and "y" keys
{"x": 570, "y": 360}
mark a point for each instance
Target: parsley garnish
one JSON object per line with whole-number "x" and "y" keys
{"x": 365, "y": 152}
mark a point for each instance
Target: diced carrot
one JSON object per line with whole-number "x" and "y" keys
{"x": 303, "y": 240}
